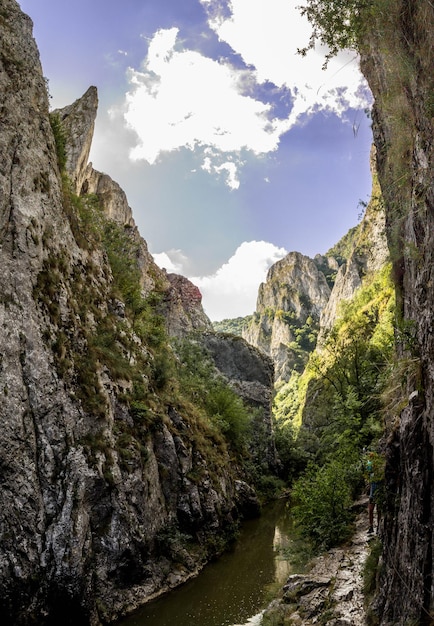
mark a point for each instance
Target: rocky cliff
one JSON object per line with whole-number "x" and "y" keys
{"x": 299, "y": 302}
{"x": 251, "y": 375}
{"x": 288, "y": 310}
{"x": 398, "y": 61}
{"x": 366, "y": 253}
{"x": 106, "y": 466}
{"x": 181, "y": 301}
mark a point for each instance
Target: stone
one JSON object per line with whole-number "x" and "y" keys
{"x": 294, "y": 287}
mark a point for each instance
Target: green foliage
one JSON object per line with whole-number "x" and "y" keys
{"x": 228, "y": 412}
{"x": 60, "y": 140}
{"x": 371, "y": 567}
{"x": 338, "y": 24}
{"x": 200, "y": 383}
{"x": 338, "y": 397}
{"x": 233, "y": 326}
{"x": 348, "y": 374}
{"x": 342, "y": 250}
{"x": 323, "y": 496}
{"x": 84, "y": 215}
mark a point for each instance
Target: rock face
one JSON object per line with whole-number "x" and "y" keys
{"x": 295, "y": 293}
{"x": 251, "y": 375}
{"x": 368, "y": 253}
{"x": 397, "y": 61}
{"x": 97, "y": 490}
{"x": 301, "y": 296}
{"x": 332, "y": 590}
{"x": 182, "y": 306}
{"x": 78, "y": 122}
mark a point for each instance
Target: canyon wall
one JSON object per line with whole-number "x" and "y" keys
{"x": 398, "y": 61}
{"x": 114, "y": 488}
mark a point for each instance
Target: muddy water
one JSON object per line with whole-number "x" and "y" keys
{"x": 234, "y": 589}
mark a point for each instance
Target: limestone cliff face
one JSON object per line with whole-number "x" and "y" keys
{"x": 397, "y": 61}
{"x": 78, "y": 122}
{"x": 183, "y": 306}
{"x": 182, "y": 301}
{"x": 368, "y": 253}
{"x": 295, "y": 293}
{"x": 98, "y": 484}
{"x": 252, "y": 376}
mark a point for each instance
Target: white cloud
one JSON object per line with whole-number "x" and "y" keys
{"x": 172, "y": 261}
{"x": 232, "y": 291}
{"x": 180, "y": 98}
{"x": 267, "y": 34}
{"x": 228, "y": 168}
{"x": 163, "y": 260}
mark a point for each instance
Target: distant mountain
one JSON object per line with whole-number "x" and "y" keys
{"x": 300, "y": 298}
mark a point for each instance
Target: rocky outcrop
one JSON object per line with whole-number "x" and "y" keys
{"x": 332, "y": 590}
{"x": 397, "y": 60}
{"x": 182, "y": 301}
{"x": 103, "y": 470}
{"x": 294, "y": 295}
{"x": 78, "y": 123}
{"x": 251, "y": 375}
{"x": 368, "y": 253}
{"x": 183, "y": 306}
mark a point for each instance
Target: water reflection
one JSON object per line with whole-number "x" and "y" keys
{"x": 232, "y": 590}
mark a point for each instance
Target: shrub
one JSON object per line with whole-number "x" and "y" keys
{"x": 228, "y": 412}
{"x": 201, "y": 384}
{"x": 323, "y": 496}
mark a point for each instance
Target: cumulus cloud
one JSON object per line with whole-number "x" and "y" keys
{"x": 267, "y": 34}
{"x": 172, "y": 261}
{"x": 180, "y": 98}
{"x": 232, "y": 291}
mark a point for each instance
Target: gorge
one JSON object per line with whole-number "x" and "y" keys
{"x": 134, "y": 439}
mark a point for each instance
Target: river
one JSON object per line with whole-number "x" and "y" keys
{"x": 233, "y": 590}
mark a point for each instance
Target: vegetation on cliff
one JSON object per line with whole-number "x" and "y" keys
{"x": 395, "y": 41}
{"x": 326, "y": 416}
{"x": 232, "y": 326}
{"x": 127, "y": 339}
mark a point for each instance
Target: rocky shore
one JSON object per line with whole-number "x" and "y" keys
{"x": 331, "y": 592}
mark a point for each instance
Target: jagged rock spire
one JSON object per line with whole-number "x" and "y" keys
{"x": 78, "y": 122}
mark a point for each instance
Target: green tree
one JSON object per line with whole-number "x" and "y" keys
{"x": 339, "y": 24}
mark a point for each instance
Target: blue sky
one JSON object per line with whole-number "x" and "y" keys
{"x": 232, "y": 149}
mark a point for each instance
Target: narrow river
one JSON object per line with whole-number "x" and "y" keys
{"x": 236, "y": 588}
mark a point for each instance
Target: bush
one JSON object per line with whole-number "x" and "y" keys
{"x": 323, "y": 497}
{"x": 202, "y": 385}
{"x": 228, "y": 412}
{"x": 60, "y": 140}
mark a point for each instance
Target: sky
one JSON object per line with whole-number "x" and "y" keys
{"x": 232, "y": 149}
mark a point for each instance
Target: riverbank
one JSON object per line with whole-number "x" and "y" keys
{"x": 331, "y": 592}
